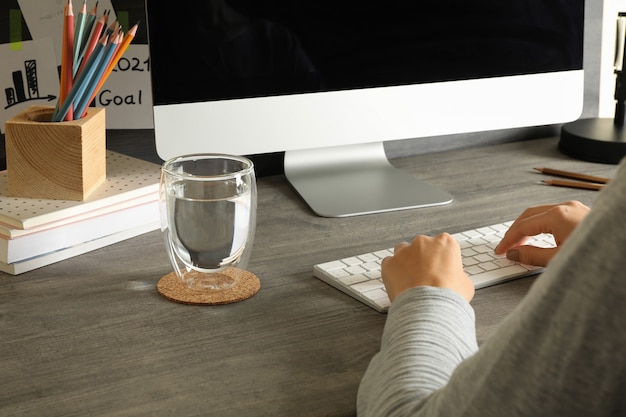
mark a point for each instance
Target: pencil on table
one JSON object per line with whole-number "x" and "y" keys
{"x": 573, "y": 175}
{"x": 575, "y": 184}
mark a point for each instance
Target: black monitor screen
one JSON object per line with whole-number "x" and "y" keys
{"x": 226, "y": 49}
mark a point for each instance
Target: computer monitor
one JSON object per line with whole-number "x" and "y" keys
{"x": 327, "y": 82}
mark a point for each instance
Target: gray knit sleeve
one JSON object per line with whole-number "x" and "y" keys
{"x": 560, "y": 353}
{"x": 429, "y": 331}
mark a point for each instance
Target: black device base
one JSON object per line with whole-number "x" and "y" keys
{"x": 594, "y": 140}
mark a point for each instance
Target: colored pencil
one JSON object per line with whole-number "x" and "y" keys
{"x": 111, "y": 28}
{"x": 79, "y": 32}
{"x": 90, "y": 52}
{"x": 96, "y": 33}
{"x": 128, "y": 38}
{"x": 63, "y": 78}
{"x": 90, "y": 21}
{"x": 106, "y": 18}
{"x": 67, "y": 56}
{"x": 123, "y": 46}
{"x": 81, "y": 81}
{"x": 85, "y": 99}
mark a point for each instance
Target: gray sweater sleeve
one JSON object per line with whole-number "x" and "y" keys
{"x": 560, "y": 353}
{"x": 429, "y": 331}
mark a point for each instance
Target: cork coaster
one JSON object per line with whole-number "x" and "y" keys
{"x": 172, "y": 288}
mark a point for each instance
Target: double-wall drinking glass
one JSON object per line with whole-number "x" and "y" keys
{"x": 208, "y": 218}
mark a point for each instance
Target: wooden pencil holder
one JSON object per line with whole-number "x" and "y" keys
{"x": 55, "y": 160}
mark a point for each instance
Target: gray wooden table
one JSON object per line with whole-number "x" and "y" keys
{"x": 91, "y": 336}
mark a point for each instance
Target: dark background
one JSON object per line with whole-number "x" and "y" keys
{"x": 134, "y": 8}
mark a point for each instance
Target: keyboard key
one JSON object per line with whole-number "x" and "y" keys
{"x": 497, "y": 275}
{"x": 351, "y": 261}
{"x": 470, "y": 234}
{"x": 469, "y": 261}
{"x": 373, "y": 274}
{"x": 486, "y": 231}
{"x": 488, "y": 266}
{"x": 368, "y": 286}
{"x": 477, "y": 241}
{"x": 328, "y": 266}
{"x": 382, "y": 254}
{"x": 473, "y": 270}
{"x": 368, "y": 257}
{"x": 483, "y": 249}
{"x": 484, "y": 257}
{"x": 376, "y": 294}
{"x": 353, "y": 279}
{"x": 503, "y": 262}
{"x": 383, "y": 303}
{"x": 338, "y": 273}
{"x": 502, "y": 227}
{"x": 356, "y": 269}
{"x": 371, "y": 266}
{"x": 468, "y": 252}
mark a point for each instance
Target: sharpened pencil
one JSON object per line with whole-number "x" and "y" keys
{"x": 96, "y": 33}
{"x": 575, "y": 184}
{"x": 67, "y": 57}
{"x": 84, "y": 100}
{"x": 573, "y": 175}
{"x": 111, "y": 28}
{"x": 128, "y": 38}
{"x": 90, "y": 21}
{"x": 79, "y": 33}
{"x": 81, "y": 81}
{"x": 91, "y": 18}
{"x": 90, "y": 52}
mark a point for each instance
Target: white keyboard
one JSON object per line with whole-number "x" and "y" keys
{"x": 359, "y": 276}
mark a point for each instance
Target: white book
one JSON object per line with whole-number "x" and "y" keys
{"x": 127, "y": 179}
{"x": 60, "y": 255}
{"x": 7, "y": 232}
{"x": 34, "y": 242}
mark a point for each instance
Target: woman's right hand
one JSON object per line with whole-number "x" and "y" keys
{"x": 557, "y": 219}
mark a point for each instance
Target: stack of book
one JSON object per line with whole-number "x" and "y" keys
{"x": 39, "y": 232}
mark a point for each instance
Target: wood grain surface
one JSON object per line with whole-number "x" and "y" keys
{"x": 91, "y": 335}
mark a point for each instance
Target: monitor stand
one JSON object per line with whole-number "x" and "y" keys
{"x": 357, "y": 179}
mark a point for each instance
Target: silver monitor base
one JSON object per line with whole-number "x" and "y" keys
{"x": 354, "y": 180}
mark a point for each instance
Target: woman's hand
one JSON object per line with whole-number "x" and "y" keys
{"x": 432, "y": 261}
{"x": 557, "y": 219}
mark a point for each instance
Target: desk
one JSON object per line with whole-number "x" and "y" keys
{"x": 91, "y": 336}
